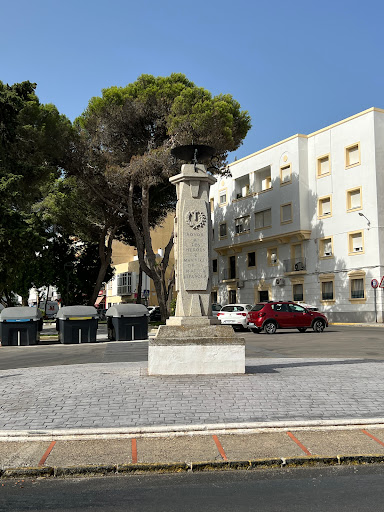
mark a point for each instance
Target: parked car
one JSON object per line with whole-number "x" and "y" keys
{"x": 271, "y": 316}
{"x": 154, "y": 313}
{"x": 215, "y": 308}
{"x": 235, "y": 315}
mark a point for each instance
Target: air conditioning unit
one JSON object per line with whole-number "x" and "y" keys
{"x": 299, "y": 265}
{"x": 280, "y": 281}
{"x": 240, "y": 284}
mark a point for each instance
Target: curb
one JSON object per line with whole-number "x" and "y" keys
{"x": 179, "y": 430}
{"x": 183, "y": 467}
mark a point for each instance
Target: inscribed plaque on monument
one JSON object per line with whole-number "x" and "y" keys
{"x": 193, "y": 233}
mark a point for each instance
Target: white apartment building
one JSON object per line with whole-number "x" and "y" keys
{"x": 303, "y": 220}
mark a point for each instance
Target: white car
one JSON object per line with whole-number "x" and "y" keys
{"x": 235, "y": 315}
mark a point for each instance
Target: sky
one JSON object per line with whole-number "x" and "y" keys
{"x": 295, "y": 66}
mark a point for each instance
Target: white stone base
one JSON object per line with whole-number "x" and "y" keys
{"x": 196, "y": 359}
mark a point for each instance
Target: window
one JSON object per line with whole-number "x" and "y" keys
{"x": 232, "y": 296}
{"x": 214, "y": 266}
{"x": 223, "y": 230}
{"x": 272, "y": 256}
{"x": 324, "y": 207}
{"x": 242, "y": 225}
{"x": 354, "y": 199}
{"x": 286, "y": 213}
{"x": 251, "y": 259}
{"x": 327, "y": 290}
{"x": 263, "y": 179}
{"x": 352, "y": 155}
{"x": 285, "y": 174}
{"x": 323, "y": 166}
{"x": 223, "y": 197}
{"x": 298, "y": 292}
{"x": 124, "y": 283}
{"x": 326, "y": 247}
{"x": 357, "y": 286}
{"x": 263, "y": 219}
{"x": 355, "y": 242}
{"x": 242, "y": 186}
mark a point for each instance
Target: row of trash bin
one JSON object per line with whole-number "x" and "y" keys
{"x": 75, "y": 324}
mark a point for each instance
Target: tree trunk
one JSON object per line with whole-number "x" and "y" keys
{"x": 105, "y": 254}
{"x": 139, "y": 287}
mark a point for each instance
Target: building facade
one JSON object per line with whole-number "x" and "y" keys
{"x": 303, "y": 220}
{"x": 123, "y": 286}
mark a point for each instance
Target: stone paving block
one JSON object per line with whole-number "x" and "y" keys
{"x": 177, "y": 449}
{"x": 338, "y": 442}
{"x": 255, "y": 446}
{"x": 20, "y": 454}
{"x": 70, "y": 453}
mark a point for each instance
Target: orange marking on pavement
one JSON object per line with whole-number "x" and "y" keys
{"x": 305, "y": 450}
{"x": 372, "y": 437}
{"x": 44, "y": 457}
{"x": 219, "y": 447}
{"x": 134, "y": 451}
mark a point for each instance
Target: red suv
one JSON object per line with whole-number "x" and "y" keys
{"x": 284, "y": 315}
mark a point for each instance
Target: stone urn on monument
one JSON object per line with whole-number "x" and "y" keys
{"x": 192, "y": 342}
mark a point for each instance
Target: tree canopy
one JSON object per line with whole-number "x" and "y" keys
{"x": 33, "y": 138}
{"x": 124, "y": 143}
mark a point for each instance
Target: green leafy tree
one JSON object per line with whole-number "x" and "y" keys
{"x": 123, "y": 151}
{"x": 33, "y": 142}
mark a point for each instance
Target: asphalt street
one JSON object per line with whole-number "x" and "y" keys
{"x": 339, "y": 489}
{"x": 335, "y": 342}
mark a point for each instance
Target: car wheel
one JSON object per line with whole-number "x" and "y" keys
{"x": 256, "y": 331}
{"x": 270, "y": 327}
{"x": 318, "y": 326}
{"x": 301, "y": 329}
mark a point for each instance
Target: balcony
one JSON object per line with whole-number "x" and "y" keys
{"x": 229, "y": 274}
{"x": 295, "y": 265}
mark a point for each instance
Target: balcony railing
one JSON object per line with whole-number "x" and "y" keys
{"x": 229, "y": 273}
{"x": 295, "y": 265}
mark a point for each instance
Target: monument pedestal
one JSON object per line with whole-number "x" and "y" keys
{"x": 197, "y": 348}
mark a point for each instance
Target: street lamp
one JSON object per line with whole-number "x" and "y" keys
{"x": 368, "y": 221}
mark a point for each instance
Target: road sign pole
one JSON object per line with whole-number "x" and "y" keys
{"x": 375, "y": 305}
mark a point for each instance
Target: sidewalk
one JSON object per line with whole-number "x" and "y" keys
{"x": 115, "y": 414}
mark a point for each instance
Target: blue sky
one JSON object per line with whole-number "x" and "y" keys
{"x": 295, "y": 66}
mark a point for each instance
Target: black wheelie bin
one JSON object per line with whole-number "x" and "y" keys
{"x": 20, "y": 325}
{"x": 77, "y": 324}
{"x": 127, "y": 322}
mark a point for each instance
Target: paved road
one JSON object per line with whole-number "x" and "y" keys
{"x": 335, "y": 342}
{"x": 301, "y": 490}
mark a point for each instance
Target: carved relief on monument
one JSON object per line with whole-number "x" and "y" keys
{"x": 194, "y": 230}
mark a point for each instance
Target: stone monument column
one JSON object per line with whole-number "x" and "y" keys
{"x": 192, "y": 342}
{"x": 193, "y": 246}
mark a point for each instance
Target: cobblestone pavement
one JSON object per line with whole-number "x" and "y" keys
{"x": 123, "y": 395}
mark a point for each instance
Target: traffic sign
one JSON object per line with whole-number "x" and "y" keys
{"x": 374, "y": 283}
{"x": 381, "y": 285}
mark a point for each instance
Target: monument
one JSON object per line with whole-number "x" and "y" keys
{"x": 192, "y": 342}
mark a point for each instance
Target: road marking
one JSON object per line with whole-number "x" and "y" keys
{"x": 134, "y": 451}
{"x": 372, "y": 437}
{"x": 219, "y": 447}
{"x": 305, "y": 450}
{"x": 44, "y": 457}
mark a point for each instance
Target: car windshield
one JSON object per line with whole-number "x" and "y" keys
{"x": 230, "y": 309}
{"x": 257, "y": 307}
{"x": 216, "y": 307}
